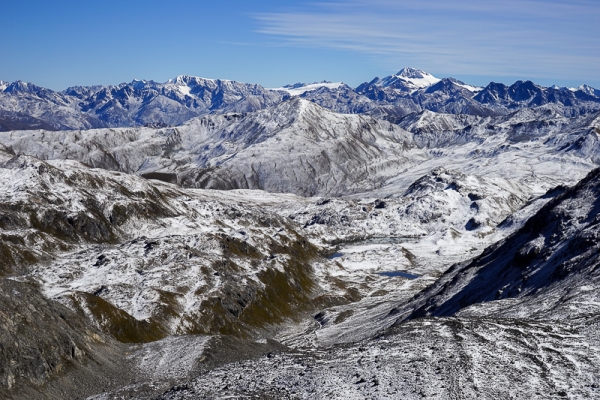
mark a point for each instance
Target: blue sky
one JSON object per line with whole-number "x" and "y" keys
{"x": 63, "y": 42}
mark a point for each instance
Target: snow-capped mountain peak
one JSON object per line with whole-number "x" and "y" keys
{"x": 3, "y": 85}
{"x": 186, "y": 79}
{"x": 139, "y": 84}
{"x": 418, "y": 78}
{"x": 588, "y": 90}
{"x": 413, "y": 73}
{"x": 406, "y": 80}
{"x": 20, "y": 86}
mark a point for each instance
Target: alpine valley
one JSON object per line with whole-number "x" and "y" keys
{"x": 412, "y": 237}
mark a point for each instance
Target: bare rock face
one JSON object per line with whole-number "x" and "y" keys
{"x": 40, "y": 339}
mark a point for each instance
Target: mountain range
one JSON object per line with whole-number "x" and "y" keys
{"x": 140, "y": 102}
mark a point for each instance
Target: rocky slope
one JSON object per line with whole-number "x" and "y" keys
{"x": 41, "y": 340}
{"x": 145, "y": 259}
{"x": 446, "y": 358}
{"x": 545, "y": 270}
{"x": 136, "y": 260}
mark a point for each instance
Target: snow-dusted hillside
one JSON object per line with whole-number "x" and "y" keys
{"x": 531, "y": 329}
{"x": 144, "y": 259}
{"x": 296, "y": 147}
{"x": 302, "y": 148}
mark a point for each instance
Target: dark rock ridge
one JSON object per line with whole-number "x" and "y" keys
{"x": 502, "y": 98}
{"x": 397, "y": 95}
{"x": 550, "y": 264}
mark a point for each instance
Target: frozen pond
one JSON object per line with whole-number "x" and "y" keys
{"x": 399, "y": 273}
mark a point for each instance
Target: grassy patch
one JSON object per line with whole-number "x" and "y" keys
{"x": 117, "y": 322}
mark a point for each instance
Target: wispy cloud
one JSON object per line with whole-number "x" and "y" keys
{"x": 504, "y": 38}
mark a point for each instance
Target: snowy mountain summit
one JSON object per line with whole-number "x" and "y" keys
{"x": 407, "y": 80}
{"x": 417, "y": 77}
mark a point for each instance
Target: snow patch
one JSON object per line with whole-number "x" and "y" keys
{"x": 300, "y": 90}
{"x": 470, "y": 88}
{"x": 185, "y": 90}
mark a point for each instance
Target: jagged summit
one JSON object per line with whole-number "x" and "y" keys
{"x": 588, "y": 90}
{"x": 21, "y": 86}
{"x": 408, "y": 72}
{"x": 185, "y": 79}
{"x": 412, "y": 78}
